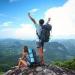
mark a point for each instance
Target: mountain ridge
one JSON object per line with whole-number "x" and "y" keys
{"x": 58, "y": 47}
{"x": 10, "y": 50}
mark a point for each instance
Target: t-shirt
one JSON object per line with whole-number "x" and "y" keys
{"x": 38, "y": 30}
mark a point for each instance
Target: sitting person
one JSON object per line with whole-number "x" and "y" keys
{"x": 22, "y": 64}
{"x": 23, "y": 61}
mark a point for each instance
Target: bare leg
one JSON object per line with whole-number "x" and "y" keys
{"x": 40, "y": 50}
{"x": 22, "y": 63}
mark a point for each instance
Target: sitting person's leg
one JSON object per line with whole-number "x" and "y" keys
{"x": 22, "y": 63}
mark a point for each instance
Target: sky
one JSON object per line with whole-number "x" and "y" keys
{"x": 15, "y": 23}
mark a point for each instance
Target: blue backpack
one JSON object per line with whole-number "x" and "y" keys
{"x": 32, "y": 57}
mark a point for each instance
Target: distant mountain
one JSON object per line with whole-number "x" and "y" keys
{"x": 54, "y": 50}
{"x": 13, "y": 46}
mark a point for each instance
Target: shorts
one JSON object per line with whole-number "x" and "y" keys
{"x": 40, "y": 44}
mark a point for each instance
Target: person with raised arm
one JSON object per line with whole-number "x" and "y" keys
{"x": 40, "y": 43}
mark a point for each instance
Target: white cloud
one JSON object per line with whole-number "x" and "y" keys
{"x": 7, "y": 33}
{"x": 6, "y": 24}
{"x": 62, "y": 19}
{"x": 26, "y": 31}
{"x": 33, "y": 10}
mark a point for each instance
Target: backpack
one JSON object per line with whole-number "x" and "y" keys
{"x": 32, "y": 57}
{"x": 45, "y": 33}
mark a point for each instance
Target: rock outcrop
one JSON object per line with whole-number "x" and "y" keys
{"x": 42, "y": 70}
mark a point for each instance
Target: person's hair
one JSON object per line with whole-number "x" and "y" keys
{"x": 41, "y": 21}
{"x": 25, "y": 49}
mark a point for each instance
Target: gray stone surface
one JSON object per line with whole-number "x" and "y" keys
{"x": 44, "y": 70}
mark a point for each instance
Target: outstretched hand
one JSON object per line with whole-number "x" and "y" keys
{"x": 49, "y": 19}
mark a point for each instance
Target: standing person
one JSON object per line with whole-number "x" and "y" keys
{"x": 40, "y": 43}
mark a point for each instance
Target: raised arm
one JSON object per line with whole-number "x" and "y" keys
{"x": 32, "y": 19}
{"x": 48, "y": 20}
{"x": 49, "y": 24}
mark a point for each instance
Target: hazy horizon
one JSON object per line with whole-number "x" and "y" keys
{"x": 51, "y": 38}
